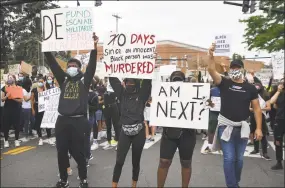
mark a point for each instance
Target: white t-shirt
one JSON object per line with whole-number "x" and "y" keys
{"x": 26, "y": 105}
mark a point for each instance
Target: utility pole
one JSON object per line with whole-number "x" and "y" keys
{"x": 117, "y": 21}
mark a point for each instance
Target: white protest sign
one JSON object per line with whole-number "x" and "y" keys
{"x": 262, "y": 104}
{"x": 48, "y": 102}
{"x": 67, "y": 29}
{"x": 217, "y": 104}
{"x": 130, "y": 55}
{"x": 264, "y": 75}
{"x": 223, "y": 44}
{"x": 179, "y": 104}
{"x": 278, "y": 65}
{"x": 14, "y": 69}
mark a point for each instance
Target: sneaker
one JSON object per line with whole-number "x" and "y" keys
{"x": 50, "y": 141}
{"x": 266, "y": 157}
{"x": 278, "y": 166}
{"x": 91, "y": 157}
{"x": 69, "y": 172}
{"x": 114, "y": 143}
{"x": 103, "y": 144}
{"x": 62, "y": 184}
{"x": 108, "y": 146}
{"x": 40, "y": 142}
{"x": 151, "y": 139}
{"x": 207, "y": 150}
{"x": 17, "y": 143}
{"x": 94, "y": 146}
{"x": 6, "y": 144}
{"x": 83, "y": 184}
{"x": 254, "y": 152}
{"x": 25, "y": 139}
{"x": 147, "y": 140}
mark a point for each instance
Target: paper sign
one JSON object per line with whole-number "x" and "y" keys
{"x": 217, "y": 104}
{"x": 223, "y": 44}
{"x": 130, "y": 55}
{"x": 264, "y": 76}
{"x": 278, "y": 65}
{"x": 67, "y": 29}
{"x": 48, "y": 102}
{"x": 262, "y": 104}
{"x": 180, "y": 105}
{"x": 16, "y": 92}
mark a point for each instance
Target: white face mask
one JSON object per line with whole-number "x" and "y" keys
{"x": 72, "y": 71}
{"x": 236, "y": 74}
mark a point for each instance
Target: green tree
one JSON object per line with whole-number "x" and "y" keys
{"x": 266, "y": 31}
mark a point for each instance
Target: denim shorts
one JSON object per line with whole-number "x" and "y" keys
{"x": 99, "y": 115}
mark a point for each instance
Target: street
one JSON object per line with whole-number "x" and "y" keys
{"x": 36, "y": 166}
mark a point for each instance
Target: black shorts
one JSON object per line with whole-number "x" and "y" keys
{"x": 186, "y": 144}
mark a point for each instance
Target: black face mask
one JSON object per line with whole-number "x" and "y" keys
{"x": 130, "y": 88}
{"x": 177, "y": 79}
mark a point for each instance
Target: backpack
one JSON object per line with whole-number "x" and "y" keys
{"x": 93, "y": 102}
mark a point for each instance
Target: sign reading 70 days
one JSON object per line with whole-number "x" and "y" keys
{"x": 67, "y": 29}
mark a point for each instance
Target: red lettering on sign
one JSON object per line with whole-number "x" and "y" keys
{"x": 133, "y": 68}
{"x": 145, "y": 39}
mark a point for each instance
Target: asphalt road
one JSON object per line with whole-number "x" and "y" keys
{"x": 36, "y": 166}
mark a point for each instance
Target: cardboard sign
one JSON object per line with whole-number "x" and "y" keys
{"x": 180, "y": 105}
{"x": 278, "y": 65}
{"x": 16, "y": 92}
{"x": 67, "y": 29}
{"x": 48, "y": 102}
{"x": 130, "y": 55}
{"x": 25, "y": 68}
{"x": 223, "y": 44}
{"x": 217, "y": 104}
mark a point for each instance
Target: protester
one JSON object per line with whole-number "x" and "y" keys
{"x": 263, "y": 96}
{"x": 233, "y": 131}
{"x": 50, "y": 83}
{"x": 72, "y": 124}
{"x": 272, "y": 112}
{"x": 148, "y": 129}
{"x": 132, "y": 97}
{"x": 279, "y": 130}
{"x": 111, "y": 114}
{"x": 35, "y": 110}
{"x": 12, "y": 109}
{"x": 2, "y": 107}
{"x": 173, "y": 138}
{"x": 27, "y": 108}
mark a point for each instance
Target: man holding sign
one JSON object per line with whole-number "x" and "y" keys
{"x": 72, "y": 124}
{"x": 233, "y": 131}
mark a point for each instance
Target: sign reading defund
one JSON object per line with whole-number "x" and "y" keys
{"x": 67, "y": 29}
{"x": 180, "y": 105}
{"x": 48, "y": 102}
{"x": 130, "y": 55}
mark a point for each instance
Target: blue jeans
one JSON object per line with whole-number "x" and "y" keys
{"x": 233, "y": 152}
{"x": 27, "y": 120}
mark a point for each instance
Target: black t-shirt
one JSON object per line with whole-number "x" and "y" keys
{"x": 10, "y": 103}
{"x": 236, "y": 98}
{"x": 280, "y": 106}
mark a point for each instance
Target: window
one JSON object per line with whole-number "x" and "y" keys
{"x": 173, "y": 60}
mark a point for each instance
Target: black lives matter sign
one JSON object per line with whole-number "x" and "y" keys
{"x": 66, "y": 29}
{"x": 180, "y": 105}
{"x": 129, "y": 55}
{"x": 223, "y": 44}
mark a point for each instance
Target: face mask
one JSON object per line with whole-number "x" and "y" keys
{"x": 49, "y": 81}
{"x": 40, "y": 84}
{"x": 21, "y": 78}
{"x": 177, "y": 79}
{"x": 10, "y": 82}
{"x": 72, "y": 71}
{"x": 130, "y": 88}
{"x": 235, "y": 74}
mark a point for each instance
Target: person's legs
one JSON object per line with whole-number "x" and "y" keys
{"x": 167, "y": 150}
{"x": 6, "y": 123}
{"x": 146, "y": 130}
{"x": 27, "y": 116}
{"x": 138, "y": 142}
{"x": 38, "y": 122}
{"x": 186, "y": 147}
{"x": 116, "y": 120}
{"x": 122, "y": 151}
{"x": 99, "y": 122}
{"x": 48, "y": 133}
{"x": 279, "y": 131}
{"x": 15, "y": 119}
{"x": 229, "y": 155}
{"x": 108, "y": 118}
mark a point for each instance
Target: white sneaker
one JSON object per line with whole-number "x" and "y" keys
{"x": 94, "y": 146}
{"x": 103, "y": 144}
{"x": 41, "y": 142}
{"x": 51, "y": 142}
{"x": 6, "y": 144}
{"x": 17, "y": 143}
{"x": 108, "y": 146}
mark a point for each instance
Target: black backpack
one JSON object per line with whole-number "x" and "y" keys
{"x": 93, "y": 102}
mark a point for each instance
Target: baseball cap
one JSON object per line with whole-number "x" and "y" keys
{"x": 237, "y": 62}
{"x": 177, "y": 76}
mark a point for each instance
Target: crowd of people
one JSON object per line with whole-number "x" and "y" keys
{"x": 85, "y": 111}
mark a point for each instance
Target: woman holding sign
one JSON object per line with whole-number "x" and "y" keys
{"x": 13, "y": 97}
{"x": 133, "y": 98}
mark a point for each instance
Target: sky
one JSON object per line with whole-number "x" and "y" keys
{"x": 191, "y": 22}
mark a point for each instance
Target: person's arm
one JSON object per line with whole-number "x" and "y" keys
{"x": 33, "y": 102}
{"x": 58, "y": 73}
{"x": 145, "y": 90}
{"x": 217, "y": 78}
{"x": 276, "y": 95}
{"x": 117, "y": 86}
{"x": 267, "y": 108}
{"x": 3, "y": 97}
{"x": 258, "y": 118}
